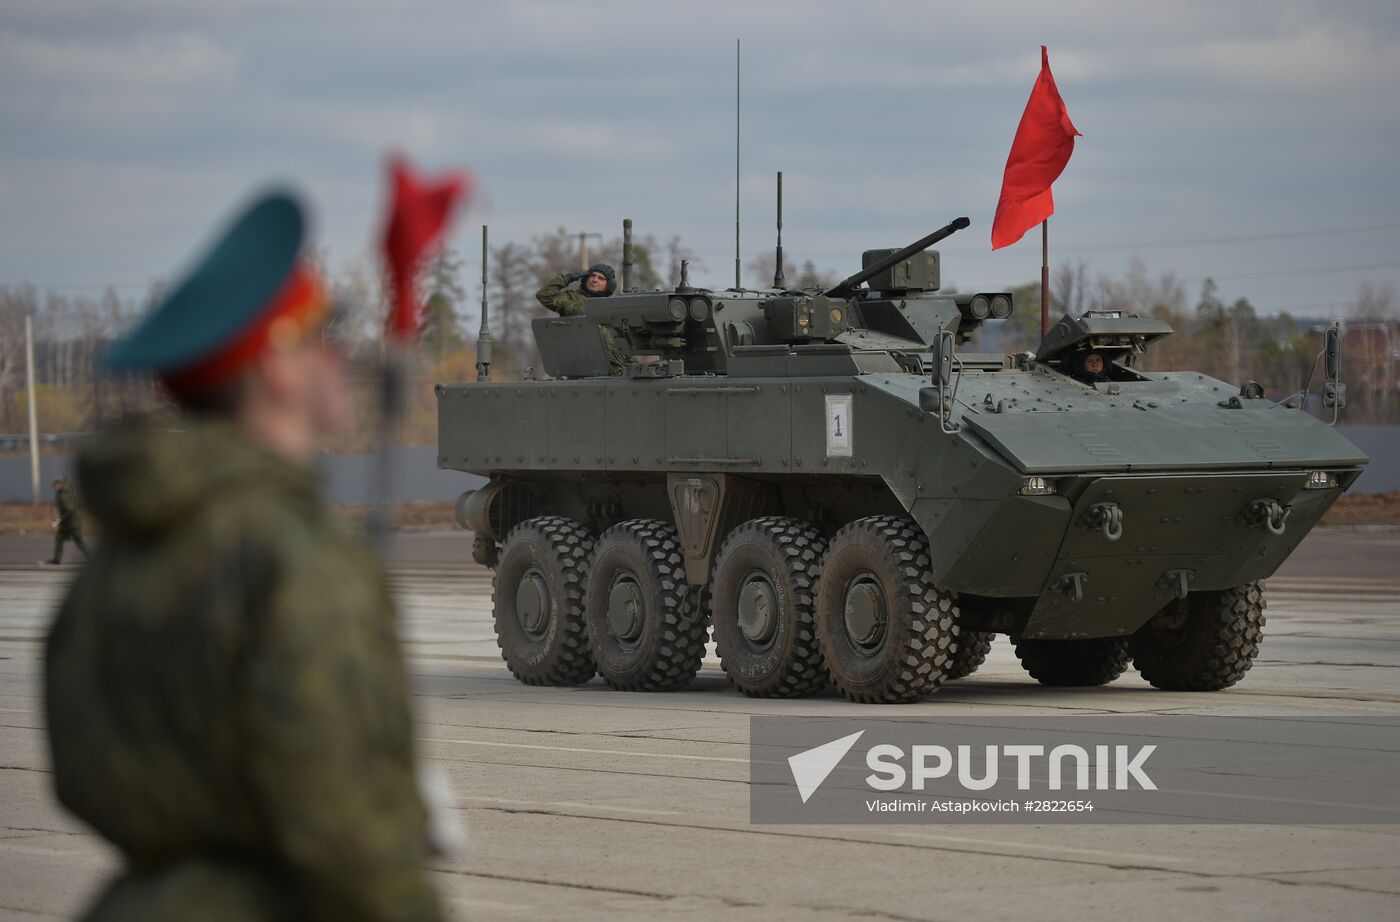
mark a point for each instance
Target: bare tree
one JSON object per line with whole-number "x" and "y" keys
{"x": 1069, "y": 287}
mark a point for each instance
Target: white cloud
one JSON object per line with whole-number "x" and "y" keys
{"x": 127, "y": 127}
{"x": 185, "y": 60}
{"x": 1312, "y": 59}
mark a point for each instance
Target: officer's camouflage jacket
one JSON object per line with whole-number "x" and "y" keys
{"x": 225, "y": 693}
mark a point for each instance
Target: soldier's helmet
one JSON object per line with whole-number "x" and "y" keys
{"x": 606, "y": 272}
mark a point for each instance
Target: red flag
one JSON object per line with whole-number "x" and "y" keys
{"x": 1044, "y": 141}
{"x": 418, "y": 215}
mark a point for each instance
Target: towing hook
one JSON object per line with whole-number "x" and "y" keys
{"x": 1072, "y": 585}
{"x": 1107, "y": 517}
{"x": 1269, "y": 514}
{"x": 1177, "y": 582}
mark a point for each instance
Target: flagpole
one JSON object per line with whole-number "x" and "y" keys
{"x": 1044, "y": 277}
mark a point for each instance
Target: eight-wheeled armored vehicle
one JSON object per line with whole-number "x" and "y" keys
{"x": 823, "y": 479}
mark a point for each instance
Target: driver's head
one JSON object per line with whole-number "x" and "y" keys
{"x": 600, "y": 281}
{"x": 1093, "y": 363}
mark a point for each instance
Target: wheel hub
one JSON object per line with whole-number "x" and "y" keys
{"x": 866, "y": 613}
{"x": 532, "y": 603}
{"x": 625, "y": 608}
{"x": 758, "y": 609}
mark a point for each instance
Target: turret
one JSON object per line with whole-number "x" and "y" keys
{"x": 697, "y": 330}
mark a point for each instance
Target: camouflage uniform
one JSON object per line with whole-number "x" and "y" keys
{"x": 558, "y": 297}
{"x": 70, "y": 523}
{"x": 225, "y": 695}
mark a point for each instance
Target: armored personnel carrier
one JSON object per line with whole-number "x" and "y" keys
{"x": 824, "y": 480}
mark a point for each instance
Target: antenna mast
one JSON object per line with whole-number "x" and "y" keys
{"x": 779, "y": 281}
{"x": 737, "y": 58}
{"x": 483, "y": 337}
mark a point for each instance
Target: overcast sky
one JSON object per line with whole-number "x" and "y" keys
{"x": 129, "y": 128}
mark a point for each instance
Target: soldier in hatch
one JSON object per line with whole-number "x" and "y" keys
{"x": 1089, "y": 367}
{"x": 225, "y": 694}
{"x": 69, "y": 524}
{"x": 597, "y": 281}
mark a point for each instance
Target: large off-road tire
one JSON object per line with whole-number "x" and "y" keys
{"x": 887, "y": 631}
{"x": 646, "y": 626}
{"x": 538, "y": 601}
{"x": 763, "y": 607}
{"x": 1205, "y": 643}
{"x": 971, "y": 652}
{"x": 1073, "y": 663}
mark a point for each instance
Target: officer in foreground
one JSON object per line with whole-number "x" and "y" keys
{"x": 597, "y": 281}
{"x": 69, "y": 524}
{"x": 224, "y": 688}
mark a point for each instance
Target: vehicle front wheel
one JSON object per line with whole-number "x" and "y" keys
{"x": 1206, "y": 642}
{"x": 1073, "y": 663}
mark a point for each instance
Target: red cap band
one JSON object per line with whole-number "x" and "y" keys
{"x": 296, "y": 306}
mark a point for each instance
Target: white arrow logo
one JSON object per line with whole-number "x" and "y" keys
{"x": 811, "y": 768}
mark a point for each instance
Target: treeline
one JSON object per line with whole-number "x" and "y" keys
{"x": 1229, "y": 341}
{"x": 72, "y": 332}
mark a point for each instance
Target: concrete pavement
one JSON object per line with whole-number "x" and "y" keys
{"x": 586, "y": 803}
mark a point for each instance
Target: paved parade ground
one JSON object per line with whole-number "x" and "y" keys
{"x": 586, "y": 803}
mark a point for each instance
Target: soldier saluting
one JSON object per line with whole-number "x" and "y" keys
{"x": 225, "y": 693}
{"x": 597, "y": 281}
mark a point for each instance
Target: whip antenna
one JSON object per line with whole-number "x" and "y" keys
{"x": 483, "y": 337}
{"x": 779, "y": 281}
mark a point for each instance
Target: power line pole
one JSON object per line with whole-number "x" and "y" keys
{"x": 583, "y": 247}
{"x": 33, "y": 412}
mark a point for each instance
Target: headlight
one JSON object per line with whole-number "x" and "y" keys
{"x": 1320, "y": 480}
{"x": 1036, "y": 486}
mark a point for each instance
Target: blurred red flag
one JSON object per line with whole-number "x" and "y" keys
{"x": 418, "y": 214}
{"x": 1044, "y": 141}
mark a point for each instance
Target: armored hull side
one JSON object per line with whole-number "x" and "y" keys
{"x": 1186, "y": 475}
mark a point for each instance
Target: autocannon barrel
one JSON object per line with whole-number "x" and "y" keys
{"x": 845, "y": 288}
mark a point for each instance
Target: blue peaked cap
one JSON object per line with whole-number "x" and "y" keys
{"x": 225, "y": 291}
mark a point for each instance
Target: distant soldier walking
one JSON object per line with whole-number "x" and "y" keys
{"x": 69, "y": 524}
{"x": 225, "y": 693}
{"x": 597, "y": 281}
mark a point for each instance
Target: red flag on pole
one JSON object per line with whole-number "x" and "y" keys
{"x": 1044, "y": 141}
{"x": 418, "y": 215}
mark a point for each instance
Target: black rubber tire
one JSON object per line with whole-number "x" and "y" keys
{"x": 1073, "y": 663}
{"x": 558, "y": 549}
{"x": 915, "y": 650}
{"x": 789, "y": 554}
{"x": 1206, "y": 643}
{"x": 667, "y": 653}
{"x": 971, "y": 652}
